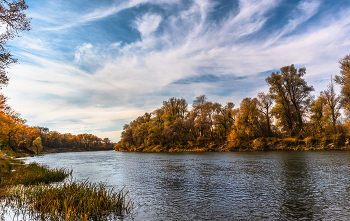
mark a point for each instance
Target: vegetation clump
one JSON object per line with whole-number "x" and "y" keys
{"x": 68, "y": 201}
{"x": 34, "y": 173}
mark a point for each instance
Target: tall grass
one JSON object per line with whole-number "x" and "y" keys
{"x": 69, "y": 201}
{"x": 5, "y": 166}
{"x": 5, "y": 169}
{"x": 35, "y": 174}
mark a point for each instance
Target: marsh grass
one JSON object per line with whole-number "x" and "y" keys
{"x": 35, "y": 174}
{"x": 5, "y": 167}
{"x": 69, "y": 201}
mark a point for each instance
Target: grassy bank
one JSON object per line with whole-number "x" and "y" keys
{"x": 33, "y": 191}
{"x": 33, "y": 174}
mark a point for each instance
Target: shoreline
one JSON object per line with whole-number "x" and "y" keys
{"x": 260, "y": 144}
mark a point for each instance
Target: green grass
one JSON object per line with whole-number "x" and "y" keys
{"x": 35, "y": 174}
{"x": 69, "y": 201}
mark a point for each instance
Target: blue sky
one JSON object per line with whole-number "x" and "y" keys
{"x": 91, "y": 66}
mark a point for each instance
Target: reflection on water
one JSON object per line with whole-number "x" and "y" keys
{"x": 298, "y": 200}
{"x": 221, "y": 186}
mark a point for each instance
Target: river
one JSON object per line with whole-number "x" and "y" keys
{"x": 310, "y": 185}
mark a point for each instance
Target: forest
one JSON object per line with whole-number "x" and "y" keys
{"x": 288, "y": 117}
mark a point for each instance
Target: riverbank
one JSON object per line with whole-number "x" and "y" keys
{"x": 259, "y": 144}
{"x": 24, "y": 152}
{"x": 15, "y": 172}
{"x": 65, "y": 150}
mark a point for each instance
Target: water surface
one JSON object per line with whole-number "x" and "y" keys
{"x": 303, "y": 185}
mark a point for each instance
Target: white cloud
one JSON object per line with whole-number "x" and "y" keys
{"x": 147, "y": 24}
{"x": 112, "y": 135}
{"x": 85, "y": 48}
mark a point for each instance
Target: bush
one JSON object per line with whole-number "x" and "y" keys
{"x": 338, "y": 140}
{"x": 309, "y": 141}
{"x": 290, "y": 142}
{"x": 259, "y": 143}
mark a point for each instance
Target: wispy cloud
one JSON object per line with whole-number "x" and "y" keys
{"x": 148, "y": 24}
{"x": 85, "y": 48}
{"x": 304, "y": 11}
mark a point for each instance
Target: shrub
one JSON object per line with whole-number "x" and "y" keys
{"x": 290, "y": 142}
{"x": 309, "y": 141}
{"x": 259, "y": 143}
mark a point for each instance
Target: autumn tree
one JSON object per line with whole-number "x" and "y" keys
{"x": 174, "y": 115}
{"x": 106, "y": 142}
{"x": 174, "y": 109}
{"x": 265, "y": 102}
{"x": 204, "y": 116}
{"x": 317, "y": 110}
{"x": 224, "y": 119}
{"x": 248, "y": 124}
{"x": 13, "y": 20}
{"x": 37, "y": 144}
{"x": 292, "y": 97}
{"x": 4, "y": 107}
{"x": 199, "y": 113}
{"x": 344, "y": 80}
{"x": 11, "y": 124}
{"x": 332, "y": 104}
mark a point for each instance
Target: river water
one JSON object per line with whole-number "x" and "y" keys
{"x": 299, "y": 185}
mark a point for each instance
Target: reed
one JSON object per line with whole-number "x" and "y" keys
{"x": 36, "y": 174}
{"x": 69, "y": 201}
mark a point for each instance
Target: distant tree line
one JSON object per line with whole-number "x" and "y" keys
{"x": 287, "y": 117}
{"x": 15, "y": 134}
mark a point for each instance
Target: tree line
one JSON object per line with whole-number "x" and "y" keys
{"x": 15, "y": 134}
{"x": 287, "y": 117}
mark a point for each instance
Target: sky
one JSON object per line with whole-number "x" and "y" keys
{"x": 90, "y": 66}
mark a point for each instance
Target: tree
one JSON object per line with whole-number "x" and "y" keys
{"x": 4, "y": 107}
{"x": 202, "y": 112}
{"x": 11, "y": 124}
{"x": 248, "y": 123}
{"x": 344, "y": 80}
{"x": 332, "y": 104}
{"x": 174, "y": 109}
{"x": 13, "y": 19}
{"x": 224, "y": 119}
{"x": 317, "y": 114}
{"x": 292, "y": 97}
{"x": 265, "y": 102}
{"x": 37, "y": 145}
